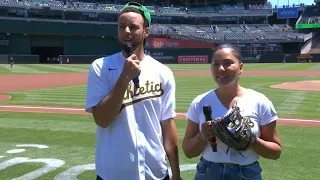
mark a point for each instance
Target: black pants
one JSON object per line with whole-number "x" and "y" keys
{"x": 166, "y": 178}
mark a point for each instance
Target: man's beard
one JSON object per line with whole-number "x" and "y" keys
{"x": 135, "y": 44}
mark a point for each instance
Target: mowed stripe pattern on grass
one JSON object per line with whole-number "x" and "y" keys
{"x": 67, "y": 68}
{"x": 21, "y": 69}
{"x": 42, "y": 68}
{"x": 287, "y": 102}
{"x": 70, "y": 96}
{"x": 71, "y": 140}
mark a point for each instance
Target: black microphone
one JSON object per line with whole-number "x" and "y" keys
{"x": 129, "y": 51}
{"x": 207, "y": 113}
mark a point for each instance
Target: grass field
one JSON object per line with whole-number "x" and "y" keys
{"x": 71, "y": 138}
{"x": 67, "y": 68}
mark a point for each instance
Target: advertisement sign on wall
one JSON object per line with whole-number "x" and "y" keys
{"x": 153, "y": 42}
{"x": 284, "y": 13}
{"x": 251, "y": 58}
{"x": 193, "y": 59}
{"x": 159, "y": 55}
{"x": 304, "y": 26}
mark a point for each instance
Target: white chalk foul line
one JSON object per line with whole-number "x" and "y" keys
{"x": 80, "y": 109}
{"x": 41, "y": 107}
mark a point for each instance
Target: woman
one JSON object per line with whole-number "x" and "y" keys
{"x": 227, "y": 163}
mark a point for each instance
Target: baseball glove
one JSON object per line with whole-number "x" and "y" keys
{"x": 234, "y": 130}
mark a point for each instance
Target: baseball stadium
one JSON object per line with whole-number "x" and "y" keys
{"x": 47, "y": 46}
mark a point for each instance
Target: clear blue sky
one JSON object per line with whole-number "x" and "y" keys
{"x": 285, "y": 2}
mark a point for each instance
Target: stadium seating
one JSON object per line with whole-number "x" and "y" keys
{"x": 238, "y": 36}
{"x": 3, "y": 36}
{"x": 10, "y": 2}
{"x": 227, "y": 32}
{"x": 235, "y": 32}
{"x": 78, "y": 5}
{"x": 315, "y": 48}
{"x": 310, "y": 15}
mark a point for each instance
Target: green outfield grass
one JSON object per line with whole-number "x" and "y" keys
{"x": 289, "y": 103}
{"x": 67, "y": 68}
{"x": 71, "y": 138}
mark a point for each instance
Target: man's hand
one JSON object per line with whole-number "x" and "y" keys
{"x": 131, "y": 67}
{"x": 170, "y": 142}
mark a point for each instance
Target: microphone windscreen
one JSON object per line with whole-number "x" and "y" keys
{"x": 207, "y": 112}
{"x": 128, "y": 49}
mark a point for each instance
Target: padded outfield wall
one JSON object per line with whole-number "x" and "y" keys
{"x": 36, "y": 39}
{"x": 190, "y": 52}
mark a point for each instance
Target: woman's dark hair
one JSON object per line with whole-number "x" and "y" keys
{"x": 234, "y": 49}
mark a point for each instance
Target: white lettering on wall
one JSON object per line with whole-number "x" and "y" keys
{"x": 165, "y": 44}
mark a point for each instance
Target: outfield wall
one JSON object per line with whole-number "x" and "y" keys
{"x": 188, "y": 57}
{"x": 192, "y": 56}
{"x": 32, "y": 49}
{"x": 19, "y": 59}
{"x": 24, "y": 44}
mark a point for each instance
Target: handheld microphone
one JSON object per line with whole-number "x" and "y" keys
{"x": 129, "y": 51}
{"x": 207, "y": 113}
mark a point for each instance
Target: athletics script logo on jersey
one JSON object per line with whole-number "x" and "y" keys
{"x": 148, "y": 89}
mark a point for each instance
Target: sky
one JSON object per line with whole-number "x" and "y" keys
{"x": 285, "y": 2}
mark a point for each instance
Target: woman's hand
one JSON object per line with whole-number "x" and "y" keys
{"x": 207, "y": 131}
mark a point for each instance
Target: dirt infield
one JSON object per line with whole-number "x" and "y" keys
{"x": 37, "y": 81}
{"x": 257, "y": 73}
{"x": 299, "y": 85}
{"x": 4, "y": 97}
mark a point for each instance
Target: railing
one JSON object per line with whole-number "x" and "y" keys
{"x": 308, "y": 36}
{"x": 306, "y": 47}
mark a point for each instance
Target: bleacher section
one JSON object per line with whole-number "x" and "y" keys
{"x": 315, "y": 47}
{"x": 86, "y": 6}
{"x": 220, "y": 32}
{"x": 3, "y": 36}
{"x": 311, "y": 15}
{"x": 257, "y": 32}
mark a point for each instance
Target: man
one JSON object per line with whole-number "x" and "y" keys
{"x": 11, "y": 62}
{"x": 135, "y": 127}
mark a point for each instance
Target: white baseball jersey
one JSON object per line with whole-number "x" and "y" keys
{"x": 253, "y": 105}
{"x": 132, "y": 146}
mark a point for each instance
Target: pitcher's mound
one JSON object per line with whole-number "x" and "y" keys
{"x": 299, "y": 85}
{"x": 4, "y": 97}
